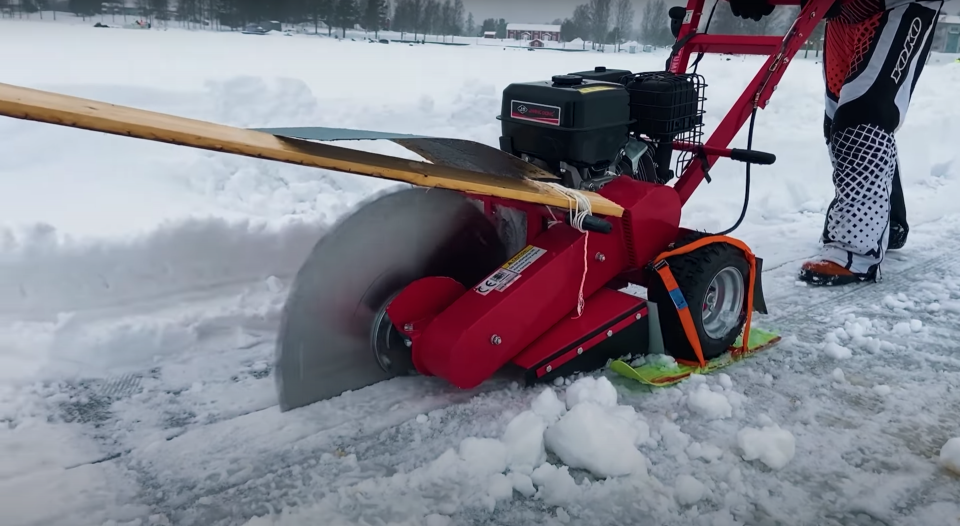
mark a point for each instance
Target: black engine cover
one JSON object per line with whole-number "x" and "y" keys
{"x": 603, "y": 74}
{"x": 570, "y": 119}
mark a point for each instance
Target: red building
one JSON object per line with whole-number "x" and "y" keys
{"x": 543, "y": 32}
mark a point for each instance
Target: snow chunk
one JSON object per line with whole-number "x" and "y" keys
{"x": 882, "y": 390}
{"x": 774, "y": 446}
{"x": 708, "y": 403}
{"x": 837, "y": 375}
{"x": 422, "y": 419}
{"x": 274, "y": 284}
{"x": 902, "y": 328}
{"x": 589, "y": 389}
{"x": 524, "y": 441}
{"x": 522, "y": 483}
{"x": 708, "y": 452}
{"x": 548, "y": 406}
{"x": 484, "y": 456}
{"x": 500, "y": 487}
{"x": 837, "y": 351}
{"x": 600, "y": 441}
{"x": 725, "y": 380}
{"x": 688, "y": 490}
{"x": 557, "y": 487}
{"x": 950, "y": 455}
{"x": 900, "y": 302}
{"x": 438, "y": 520}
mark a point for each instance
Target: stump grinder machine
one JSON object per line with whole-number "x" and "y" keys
{"x": 520, "y": 258}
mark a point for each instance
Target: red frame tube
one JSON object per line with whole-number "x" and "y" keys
{"x": 757, "y": 94}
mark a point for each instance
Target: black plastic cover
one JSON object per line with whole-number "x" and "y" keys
{"x": 602, "y": 74}
{"x": 582, "y": 124}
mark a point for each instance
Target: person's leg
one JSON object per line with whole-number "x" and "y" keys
{"x": 899, "y": 228}
{"x": 898, "y": 214}
{"x": 870, "y": 66}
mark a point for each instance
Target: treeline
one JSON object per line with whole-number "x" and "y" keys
{"x": 431, "y": 17}
{"x": 419, "y": 17}
{"x": 600, "y": 22}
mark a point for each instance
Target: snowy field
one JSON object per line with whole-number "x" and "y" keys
{"x": 140, "y": 287}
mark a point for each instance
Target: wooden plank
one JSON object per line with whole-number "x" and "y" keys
{"x": 64, "y": 110}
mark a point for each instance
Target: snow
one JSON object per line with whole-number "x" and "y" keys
{"x": 772, "y": 445}
{"x": 141, "y": 285}
{"x": 689, "y": 490}
{"x": 709, "y": 404}
{"x": 837, "y": 351}
{"x": 950, "y": 455}
{"x": 599, "y": 440}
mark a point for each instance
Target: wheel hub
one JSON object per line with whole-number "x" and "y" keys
{"x": 723, "y": 303}
{"x": 390, "y": 347}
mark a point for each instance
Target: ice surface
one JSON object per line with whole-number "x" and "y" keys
{"x": 141, "y": 286}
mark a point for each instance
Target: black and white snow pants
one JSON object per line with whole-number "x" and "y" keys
{"x": 873, "y": 56}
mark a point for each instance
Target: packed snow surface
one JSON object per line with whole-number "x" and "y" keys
{"x": 141, "y": 284}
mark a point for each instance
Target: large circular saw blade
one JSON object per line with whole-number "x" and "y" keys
{"x": 324, "y": 347}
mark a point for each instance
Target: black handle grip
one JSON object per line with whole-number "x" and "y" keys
{"x": 752, "y": 156}
{"x": 593, "y": 223}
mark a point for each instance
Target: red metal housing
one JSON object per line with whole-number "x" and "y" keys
{"x": 526, "y": 311}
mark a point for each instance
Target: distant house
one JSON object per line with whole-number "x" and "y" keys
{"x": 544, "y": 32}
{"x": 947, "y": 37}
{"x": 536, "y": 43}
{"x": 489, "y": 34}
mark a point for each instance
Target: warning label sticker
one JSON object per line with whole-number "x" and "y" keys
{"x": 595, "y": 88}
{"x": 524, "y": 258}
{"x": 510, "y": 271}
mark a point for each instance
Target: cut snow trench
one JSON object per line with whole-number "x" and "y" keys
{"x": 593, "y": 438}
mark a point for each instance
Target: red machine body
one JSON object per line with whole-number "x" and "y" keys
{"x": 526, "y": 312}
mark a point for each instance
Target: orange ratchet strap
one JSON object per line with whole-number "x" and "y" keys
{"x": 683, "y": 309}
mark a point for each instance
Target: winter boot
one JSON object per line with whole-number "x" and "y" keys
{"x": 898, "y": 236}
{"x": 827, "y": 273}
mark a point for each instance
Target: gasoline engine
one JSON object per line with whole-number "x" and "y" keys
{"x": 591, "y": 127}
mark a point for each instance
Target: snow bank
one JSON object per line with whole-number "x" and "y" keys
{"x": 42, "y": 274}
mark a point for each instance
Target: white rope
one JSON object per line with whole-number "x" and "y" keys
{"x": 581, "y": 209}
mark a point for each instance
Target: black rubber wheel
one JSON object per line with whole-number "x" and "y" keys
{"x": 714, "y": 280}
